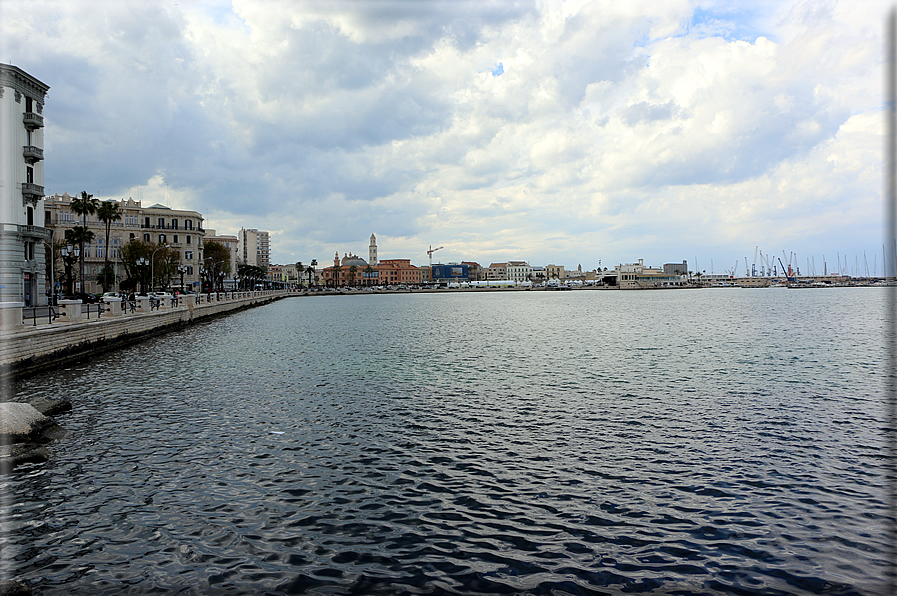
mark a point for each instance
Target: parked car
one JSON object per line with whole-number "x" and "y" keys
{"x": 86, "y": 298}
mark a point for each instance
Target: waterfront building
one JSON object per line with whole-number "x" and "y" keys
{"x": 351, "y": 270}
{"x": 555, "y": 272}
{"x": 398, "y": 271}
{"x": 23, "y": 270}
{"x": 255, "y": 248}
{"x": 179, "y": 229}
{"x": 452, "y": 272}
{"x": 636, "y": 276}
{"x": 474, "y": 271}
{"x": 518, "y": 271}
{"x": 497, "y": 272}
{"x": 676, "y": 268}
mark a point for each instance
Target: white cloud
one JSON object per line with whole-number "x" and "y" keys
{"x": 613, "y": 130}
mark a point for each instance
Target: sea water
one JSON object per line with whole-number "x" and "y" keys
{"x": 714, "y": 441}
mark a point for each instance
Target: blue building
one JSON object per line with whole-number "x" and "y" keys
{"x": 453, "y": 272}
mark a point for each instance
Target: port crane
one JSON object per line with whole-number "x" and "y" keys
{"x": 430, "y": 254}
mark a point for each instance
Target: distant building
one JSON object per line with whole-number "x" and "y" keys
{"x": 518, "y": 271}
{"x": 372, "y": 252}
{"x": 555, "y": 272}
{"x": 23, "y": 277}
{"x": 255, "y": 248}
{"x": 452, "y": 272}
{"x": 636, "y": 276}
{"x": 676, "y": 268}
{"x": 474, "y": 271}
{"x": 179, "y": 229}
{"x": 497, "y": 272}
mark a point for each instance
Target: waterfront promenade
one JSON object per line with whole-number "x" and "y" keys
{"x": 32, "y": 345}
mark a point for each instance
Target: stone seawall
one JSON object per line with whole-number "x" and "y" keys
{"x": 27, "y": 349}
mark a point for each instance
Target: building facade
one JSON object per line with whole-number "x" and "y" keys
{"x": 232, "y": 244}
{"x": 452, "y": 272}
{"x": 23, "y": 277}
{"x": 157, "y": 224}
{"x": 255, "y": 248}
{"x": 518, "y": 271}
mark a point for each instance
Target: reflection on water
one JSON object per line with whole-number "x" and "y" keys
{"x": 713, "y": 441}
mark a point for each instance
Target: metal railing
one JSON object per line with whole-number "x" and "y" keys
{"x": 36, "y": 313}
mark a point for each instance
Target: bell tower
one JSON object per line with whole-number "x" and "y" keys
{"x": 372, "y": 252}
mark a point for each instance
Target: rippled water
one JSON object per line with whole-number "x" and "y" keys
{"x": 698, "y": 441}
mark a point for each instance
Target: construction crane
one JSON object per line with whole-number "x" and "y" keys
{"x": 430, "y": 254}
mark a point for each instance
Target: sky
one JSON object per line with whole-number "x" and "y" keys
{"x": 556, "y": 132}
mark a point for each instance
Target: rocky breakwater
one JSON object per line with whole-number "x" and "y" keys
{"x": 26, "y": 430}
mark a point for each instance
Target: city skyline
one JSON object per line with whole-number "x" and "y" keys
{"x": 551, "y": 132}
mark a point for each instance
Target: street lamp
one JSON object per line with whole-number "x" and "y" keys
{"x": 182, "y": 269}
{"x": 69, "y": 256}
{"x": 142, "y": 262}
{"x": 152, "y": 265}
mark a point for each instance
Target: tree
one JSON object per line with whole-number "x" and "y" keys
{"x": 369, "y": 270}
{"x": 311, "y": 270}
{"x": 84, "y": 206}
{"x": 217, "y": 262}
{"x": 352, "y": 271}
{"x": 79, "y": 235}
{"x": 161, "y": 263}
{"x": 337, "y": 269}
{"x": 299, "y": 271}
{"x": 108, "y": 212}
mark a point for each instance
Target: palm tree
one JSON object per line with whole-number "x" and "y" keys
{"x": 352, "y": 270}
{"x": 368, "y": 270}
{"x": 84, "y": 206}
{"x": 80, "y": 235}
{"x": 108, "y": 212}
{"x": 299, "y": 271}
{"x": 336, "y": 273}
{"x": 311, "y": 271}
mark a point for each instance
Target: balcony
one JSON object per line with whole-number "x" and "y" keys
{"x": 32, "y": 154}
{"x": 34, "y": 232}
{"x": 32, "y": 121}
{"x": 32, "y": 192}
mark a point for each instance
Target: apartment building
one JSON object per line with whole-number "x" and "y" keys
{"x": 497, "y": 272}
{"x": 23, "y": 278}
{"x": 518, "y": 271}
{"x": 179, "y": 229}
{"x": 255, "y": 247}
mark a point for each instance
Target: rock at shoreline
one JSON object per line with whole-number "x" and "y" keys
{"x": 24, "y": 432}
{"x": 9, "y": 587}
{"x": 50, "y": 407}
{"x": 18, "y": 421}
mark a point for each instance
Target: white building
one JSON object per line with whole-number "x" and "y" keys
{"x": 23, "y": 277}
{"x": 518, "y": 271}
{"x": 255, "y": 248}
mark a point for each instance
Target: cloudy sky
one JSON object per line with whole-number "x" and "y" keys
{"x": 551, "y": 131}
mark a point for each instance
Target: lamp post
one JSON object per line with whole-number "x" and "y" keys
{"x": 69, "y": 256}
{"x": 152, "y": 266}
{"x": 142, "y": 262}
{"x": 182, "y": 269}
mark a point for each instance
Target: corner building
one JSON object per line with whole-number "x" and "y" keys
{"x": 23, "y": 279}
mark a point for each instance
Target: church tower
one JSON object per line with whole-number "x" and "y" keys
{"x": 372, "y": 252}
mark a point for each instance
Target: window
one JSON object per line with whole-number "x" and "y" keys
{"x": 146, "y": 237}
{"x": 146, "y": 223}
{"x": 161, "y": 238}
{"x": 30, "y": 216}
{"x": 188, "y": 239}
{"x": 29, "y": 175}
{"x": 161, "y": 223}
{"x": 188, "y": 224}
{"x": 175, "y": 239}
{"x": 189, "y": 269}
{"x": 174, "y": 225}
{"x": 29, "y": 104}
{"x": 29, "y": 251}
{"x": 132, "y": 236}
{"x": 188, "y": 255}
{"x": 47, "y": 217}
